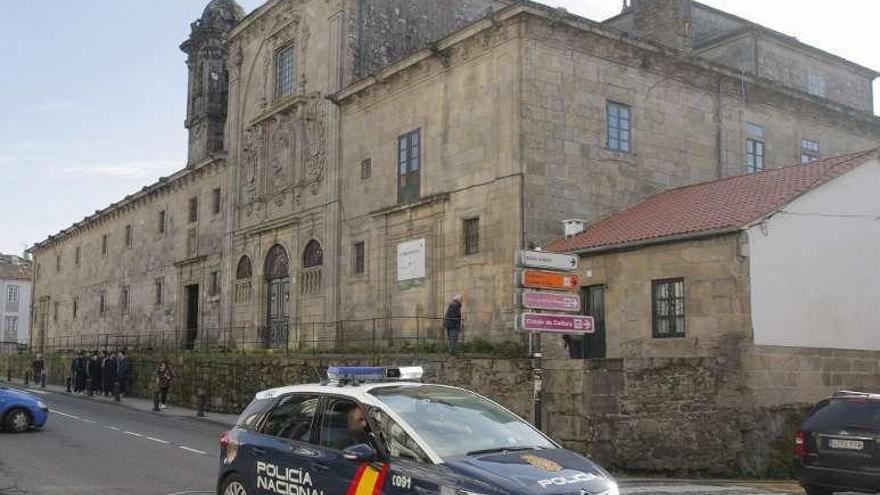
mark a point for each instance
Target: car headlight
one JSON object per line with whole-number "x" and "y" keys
{"x": 42, "y": 405}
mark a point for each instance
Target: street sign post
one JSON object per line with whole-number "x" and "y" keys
{"x": 546, "y": 261}
{"x": 548, "y": 301}
{"x": 544, "y": 279}
{"x": 556, "y": 323}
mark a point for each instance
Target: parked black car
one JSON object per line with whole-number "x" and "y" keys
{"x": 837, "y": 448}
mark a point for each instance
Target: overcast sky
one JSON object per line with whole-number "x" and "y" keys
{"x": 93, "y": 93}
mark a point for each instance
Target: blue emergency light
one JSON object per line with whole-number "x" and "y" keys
{"x": 374, "y": 373}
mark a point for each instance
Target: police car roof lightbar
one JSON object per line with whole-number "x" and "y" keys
{"x": 374, "y": 373}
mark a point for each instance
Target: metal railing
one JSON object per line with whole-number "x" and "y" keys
{"x": 392, "y": 334}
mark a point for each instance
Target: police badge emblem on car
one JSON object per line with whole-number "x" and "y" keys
{"x": 541, "y": 463}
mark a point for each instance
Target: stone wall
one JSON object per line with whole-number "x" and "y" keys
{"x": 670, "y": 416}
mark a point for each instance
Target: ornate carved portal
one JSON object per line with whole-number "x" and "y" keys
{"x": 285, "y": 153}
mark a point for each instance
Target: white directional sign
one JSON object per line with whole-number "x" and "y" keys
{"x": 547, "y": 261}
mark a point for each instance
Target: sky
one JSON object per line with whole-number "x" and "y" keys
{"x": 93, "y": 93}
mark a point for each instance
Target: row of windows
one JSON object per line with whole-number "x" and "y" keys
{"x": 128, "y": 236}
{"x": 755, "y": 153}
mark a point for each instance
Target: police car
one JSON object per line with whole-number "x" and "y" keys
{"x": 371, "y": 431}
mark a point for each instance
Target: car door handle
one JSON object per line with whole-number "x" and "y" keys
{"x": 317, "y": 466}
{"x": 259, "y": 451}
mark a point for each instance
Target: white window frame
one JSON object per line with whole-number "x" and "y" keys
{"x": 12, "y": 293}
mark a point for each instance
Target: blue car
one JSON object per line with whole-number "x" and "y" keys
{"x": 20, "y": 412}
{"x": 380, "y": 431}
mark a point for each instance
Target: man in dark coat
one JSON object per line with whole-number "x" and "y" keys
{"x": 94, "y": 373}
{"x": 123, "y": 372}
{"x": 108, "y": 372}
{"x": 38, "y": 366}
{"x": 80, "y": 365}
{"x": 452, "y": 323}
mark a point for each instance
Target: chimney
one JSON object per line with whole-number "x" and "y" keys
{"x": 573, "y": 227}
{"x": 667, "y": 22}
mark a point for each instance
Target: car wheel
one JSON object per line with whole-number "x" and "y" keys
{"x": 233, "y": 485}
{"x": 17, "y": 421}
{"x": 815, "y": 490}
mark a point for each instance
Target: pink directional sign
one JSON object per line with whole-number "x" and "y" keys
{"x": 551, "y": 301}
{"x": 536, "y": 322}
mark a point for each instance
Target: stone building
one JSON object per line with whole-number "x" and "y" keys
{"x": 379, "y": 156}
{"x": 15, "y": 306}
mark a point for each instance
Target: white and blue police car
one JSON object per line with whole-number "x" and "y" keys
{"x": 372, "y": 431}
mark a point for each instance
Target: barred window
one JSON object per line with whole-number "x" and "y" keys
{"x": 313, "y": 256}
{"x": 471, "y": 236}
{"x": 668, "y": 308}
{"x": 359, "y": 261}
{"x": 366, "y": 168}
{"x": 12, "y": 293}
{"x": 816, "y": 85}
{"x": 619, "y": 127}
{"x": 162, "y": 221}
{"x": 56, "y": 308}
{"x": 809, "y": 150}
{"x": 285, "y": 78}
{"x": 102, "y": 304}
{"x": 754, "y": 155}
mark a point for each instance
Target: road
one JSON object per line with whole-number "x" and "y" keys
{"x": 99, "y": 448}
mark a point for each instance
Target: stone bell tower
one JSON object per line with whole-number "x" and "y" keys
{"x": 207, "y": 97}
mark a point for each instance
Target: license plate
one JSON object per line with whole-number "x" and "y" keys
{"x": 836, "y": 443}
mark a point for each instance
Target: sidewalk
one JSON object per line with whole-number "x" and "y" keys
{"x": 129, "y": 403}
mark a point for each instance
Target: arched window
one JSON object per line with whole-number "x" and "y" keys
{"x": 245, "y": 271}
{"x": 277, "y": 263}
{"x": 313, "y": 256}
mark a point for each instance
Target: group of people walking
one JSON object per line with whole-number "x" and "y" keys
{"x": 100, "y": 372}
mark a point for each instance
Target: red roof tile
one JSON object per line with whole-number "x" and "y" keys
{"x": 727, "y": 203}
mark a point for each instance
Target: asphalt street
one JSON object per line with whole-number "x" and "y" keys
{"x": 96, "y": 447}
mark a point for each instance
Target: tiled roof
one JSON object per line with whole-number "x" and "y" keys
{"x": 712, "y": 206}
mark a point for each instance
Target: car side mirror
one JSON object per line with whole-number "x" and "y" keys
{"x": 360, "y": 453}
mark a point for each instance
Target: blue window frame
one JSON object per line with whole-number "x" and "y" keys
{"x": 619, "y": 127}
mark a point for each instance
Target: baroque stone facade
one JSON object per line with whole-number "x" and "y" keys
{"x": 380, "y": 156}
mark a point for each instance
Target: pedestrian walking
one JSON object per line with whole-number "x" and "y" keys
{"x": 452, "y": 323}
{"x": 38, "y": 366}
{"x": 108, "y": 372}
{"x": 123, "y": 372}
{"x": 164, "y": 377}
{"x": 94, "y": 373}
{"x": 80, "y": 364}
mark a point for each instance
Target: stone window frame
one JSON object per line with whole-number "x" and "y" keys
{"x": 214, "y": 287}
{"x": 128, "y": 236}
{"x": 193, "y": 209}
{"x": 244, "y": 274}
{"x": 159, "y": 291}
{"x": 756, "y": 155}
{"x": 615, "y": 129}
{"x": 56, "y": 308}
{"x": 675, "y": 318}
{"x": 366, "y": 168}
{"x": 162, "y": 219}
{"x": 102, "y": 303}
{"x": 12, "y": 294}
{"x": 125, "y": 299}
{"x": 470, "y": 235}
{"x": 58, "y": 263}
{"x": 409, "y": 159}
{"x": 11, "y": 324}
{"x": 285, "y": 77}
{"x": 359, "y": 257}
{"x": 810, "y": 150}
{"x": 77, "y": 256}
{"x": 104, "y": 241}
{"x": 216, "y": 200}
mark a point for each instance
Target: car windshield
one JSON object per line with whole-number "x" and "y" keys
{"x": 456, "y": 422}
